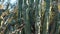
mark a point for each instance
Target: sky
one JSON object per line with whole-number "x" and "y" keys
{"x": 11, "y": 1}
{"x": 12, "y": 4}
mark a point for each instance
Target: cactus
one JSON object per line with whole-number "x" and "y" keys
{"x": 30, "y": 17}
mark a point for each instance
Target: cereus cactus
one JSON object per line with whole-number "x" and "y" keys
{"x": 29, "y": 17}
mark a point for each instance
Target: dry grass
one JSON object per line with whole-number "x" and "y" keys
{"x": 1, "y": 6}
{"x": 59, "y": 7}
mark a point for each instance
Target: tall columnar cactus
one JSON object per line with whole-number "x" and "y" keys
{"x": 46, "y": 17}
{"x": 37, "y": 8}
{"x": 25, "y": 17}
{"x": 31, "y": 16}
{"x": 19, "y": 10}
{"x": 53, "y": 22}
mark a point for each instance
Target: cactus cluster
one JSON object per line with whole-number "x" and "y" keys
{"x": 29, "y": 17}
